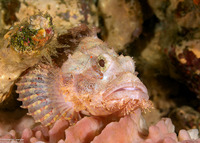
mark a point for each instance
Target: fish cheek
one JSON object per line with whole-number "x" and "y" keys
{"x": 67, "y": 79}
{"x": 84, "y": 85}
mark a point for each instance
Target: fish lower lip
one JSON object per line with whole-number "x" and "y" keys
{"x": 132, "y": 87}
{"x": 126, "y": 88}
{"x": 128, "y": 93}
{"x": 136, "y": 90}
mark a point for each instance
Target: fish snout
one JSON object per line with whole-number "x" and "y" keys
{"x": 125, "y": 94}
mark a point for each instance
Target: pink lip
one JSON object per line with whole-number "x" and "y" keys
{"x": 129, "y": 88}
{"x": 136, "y": 90}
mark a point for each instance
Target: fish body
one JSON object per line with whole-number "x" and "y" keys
{"x": 94, "y": 81}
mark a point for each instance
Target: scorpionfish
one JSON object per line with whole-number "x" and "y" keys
{"x": 93, "y": 81}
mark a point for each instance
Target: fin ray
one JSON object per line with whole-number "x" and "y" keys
{"x": 37, "y": 93}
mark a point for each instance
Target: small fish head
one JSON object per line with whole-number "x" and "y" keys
{"x": 104, "y": 82}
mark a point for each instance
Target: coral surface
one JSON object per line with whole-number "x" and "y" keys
{"x": 122, "y": 22}
{"x": 66, "y": 14}
{"x": 129, "y": 129}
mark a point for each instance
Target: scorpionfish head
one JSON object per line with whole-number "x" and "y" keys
{"x": 102, "y": 81}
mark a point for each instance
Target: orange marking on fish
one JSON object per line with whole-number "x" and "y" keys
{"x": 37, "y": 112}
{"x": 35, "y": 103}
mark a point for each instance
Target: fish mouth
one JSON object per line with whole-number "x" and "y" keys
{"x": 138, "y": 87}
{"x": 125, "y": 94}
{"x": 132, "y": 90}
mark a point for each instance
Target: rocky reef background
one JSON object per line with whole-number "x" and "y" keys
{"x": 162, "y": 36}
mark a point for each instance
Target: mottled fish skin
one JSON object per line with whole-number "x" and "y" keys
{"x": 94, "y": 80}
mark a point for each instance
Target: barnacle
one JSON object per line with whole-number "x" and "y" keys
{"x": 22, "y": 41}
{"x": 30, "y": 37}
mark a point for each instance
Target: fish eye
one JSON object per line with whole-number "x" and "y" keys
{"x": 101, "y": 62}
